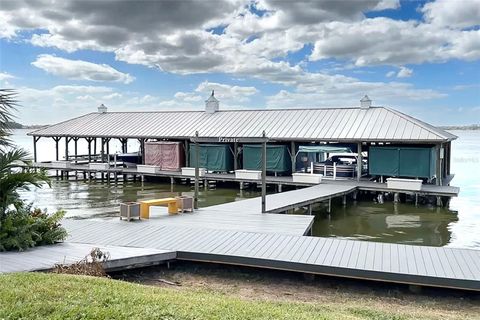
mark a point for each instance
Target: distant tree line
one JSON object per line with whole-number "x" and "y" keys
{"x": 466, "y": 127}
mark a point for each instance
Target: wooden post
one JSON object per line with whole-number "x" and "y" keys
{"x": 264, "y": 173}
{"x": 102, "y": 151}
{"x": 293, "y": 155}
{"x": 89, "y": 141}
{"x": 197, "y": 156}
{"x": 359, "y": 161}
{"x": 107, "y": 146}
{"x": 235, "y": 155}
{"x": 67, "y": 140}
{"x": 56, "y": 147}
{"x": 142, "y": 149}
{"x": 439, "y": 166}
{"x": 187, "y": 153}
{"x": 75, "y": 148}
{"x": 95, "y": 146}
{"x": 35, "y": 139}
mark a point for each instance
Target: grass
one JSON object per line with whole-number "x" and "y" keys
{"x": 59, "y": 296}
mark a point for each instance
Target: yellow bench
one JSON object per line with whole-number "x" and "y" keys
{"x": 145, "y": 206}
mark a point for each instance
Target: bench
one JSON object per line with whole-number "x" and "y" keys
{"x": 146, "y": 204}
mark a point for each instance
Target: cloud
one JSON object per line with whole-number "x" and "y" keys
{"x": 225, "y": 91}
{"x": 453, "y": 14}
{"x": 390, "y": 74}
{"x": 383, "y": 41}
{"x": 404, "y": 72}
{"x": 5, "y": 76}
{"x": 80, "y": 70}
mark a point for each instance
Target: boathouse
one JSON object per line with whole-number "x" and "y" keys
{"x": 395, "y": 144}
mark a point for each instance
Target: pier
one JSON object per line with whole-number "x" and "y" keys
{"x": 239, "y": 234}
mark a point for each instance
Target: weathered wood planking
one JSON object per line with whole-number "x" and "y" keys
{"x": 431, "y": 266}
{"x": 46, "y": 257}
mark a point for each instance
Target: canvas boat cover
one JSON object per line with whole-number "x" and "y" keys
{"x": 278, "y": 158}
{"x": 213, "y": 157}
{"x": 165, "y": 154}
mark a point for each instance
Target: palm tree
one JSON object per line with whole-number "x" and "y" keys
{"x": 16, "y": 172}
{"x": 8, "y": 104}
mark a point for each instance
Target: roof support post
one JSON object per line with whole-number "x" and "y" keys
{"x": 107, "y": 148}
{"x": 264, "y": 173}
{"x": 439, "y": 165}
{"x": 89, "y": 141}
{"x": 35, "y": 139}
{"x": 293, "y": 155}
{"x": 187, "y": 153}
{"x": 95, "y": 146}
{"x": 56, "y": 139}
{"x": 142, "y": 149}
{"x": 102, "y": 150}
{"x": 449, "y": 154}
{"x": 75, "y": 147}
{"x": 235, "y": 155}
{"x": 359, "y": 161}
{"x": 67, "y": 139}
{"x": 197, "y": 173}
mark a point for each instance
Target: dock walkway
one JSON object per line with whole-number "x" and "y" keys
{"x": 420, "y": 265}
{"x": 434, "y": 190}
{"x": 238, "y": 233}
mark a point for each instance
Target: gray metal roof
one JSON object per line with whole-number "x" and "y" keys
{"x": 332, "y": 124}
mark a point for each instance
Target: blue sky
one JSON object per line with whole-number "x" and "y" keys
{"x": 66, "y": 58}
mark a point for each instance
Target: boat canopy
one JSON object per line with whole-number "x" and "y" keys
{"x": 326, "y": 149}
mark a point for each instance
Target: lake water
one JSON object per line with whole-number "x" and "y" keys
{"x": 456, "y": 226}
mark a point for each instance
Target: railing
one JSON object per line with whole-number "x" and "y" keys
{"x": 335, "y": 171}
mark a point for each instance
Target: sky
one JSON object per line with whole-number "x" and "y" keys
{"x": 65, "y": 58}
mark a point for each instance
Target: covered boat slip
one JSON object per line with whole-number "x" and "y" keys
{"x": 403, "y": 161}
{"x": 213, "y": 157}
{"x": 166, "y": 155}
{"x": 365, "y": 127}
{"x": 279, "y": 159}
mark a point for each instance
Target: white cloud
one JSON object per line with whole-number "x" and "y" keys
{"x": 225, "y": 91}
{"x": 404, "y": 72}
{"x": 390, "y": 74}
{"x": 80, "y": 70}
{"x": 5, "y": 76}
{"x": 453, "y": 14}
{"x": 383, "y": 41}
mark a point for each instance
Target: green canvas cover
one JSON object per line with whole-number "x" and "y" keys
{"x": 278, "y": 158}
{"x": 213, "y": 157}
{"x": 402, "y": 161}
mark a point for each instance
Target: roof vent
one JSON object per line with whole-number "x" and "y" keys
{"x": 365, "y": 102}
{"x": 102, "y": 108}
{"x": 212, "y": 104}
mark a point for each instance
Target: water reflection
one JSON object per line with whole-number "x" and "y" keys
{"x": 388, "y": 222}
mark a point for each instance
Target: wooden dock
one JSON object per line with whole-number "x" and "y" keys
{"x": 419, "y": 265}
{"x": 238, "y": 233}
{"x": 362, "y": 185}
{"x": 46, "y": 257}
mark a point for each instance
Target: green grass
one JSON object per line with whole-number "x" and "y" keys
{"x": 53, "y": 296}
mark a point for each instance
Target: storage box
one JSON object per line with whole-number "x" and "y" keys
{"x": 147, "y": 168}
{"x": 404, "y": 184}
{"x": 185, "y": 203}
{"x": 98, "y": 166}
{"x": 248, "y": 174}
{"x": 61, "y": 164}
{"x": 129, "y": 210}
{"x": 307, "y": 177}
{"x": 189, "y": 171}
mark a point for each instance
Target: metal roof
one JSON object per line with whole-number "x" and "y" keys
{"x": 327, "y": 124}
